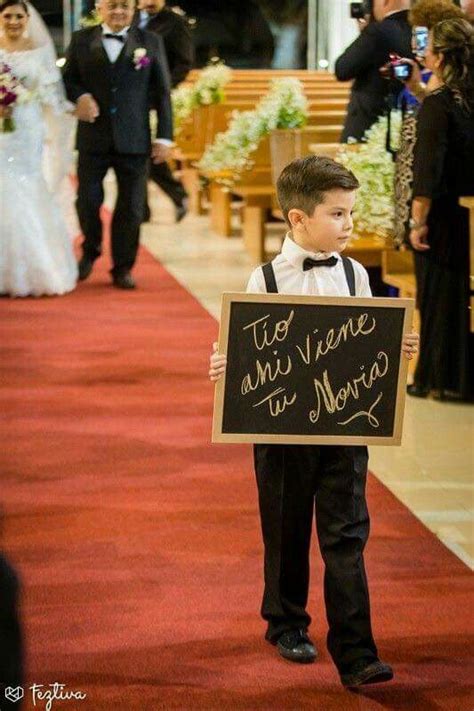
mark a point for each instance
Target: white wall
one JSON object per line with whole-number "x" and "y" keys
{"x": 336, "y": 30}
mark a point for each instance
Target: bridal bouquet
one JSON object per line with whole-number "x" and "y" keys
{"x": 12, "y": 92}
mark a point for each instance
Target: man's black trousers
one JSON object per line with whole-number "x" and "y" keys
{"x": 131, "y": 174}
{"x": 294, "y": 482}
{"x": 161, "y": 174}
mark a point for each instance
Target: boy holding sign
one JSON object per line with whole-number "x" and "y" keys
{"x": 317, "y": 197}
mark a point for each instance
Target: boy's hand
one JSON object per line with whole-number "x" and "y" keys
{"x": 217, "y": 364}
{"x": 410, "y": 344}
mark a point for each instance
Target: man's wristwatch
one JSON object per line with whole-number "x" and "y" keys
{"x": 414, "y": 225}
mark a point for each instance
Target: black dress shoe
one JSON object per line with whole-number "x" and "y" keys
{"x": 85, "y": 267}
{"x": 296, "y": 646}
{"x": 123, "y": 280}
{"x": 181, "y": 210}
{"x": 417, "y": 390}
{"x": 365, "y": 671}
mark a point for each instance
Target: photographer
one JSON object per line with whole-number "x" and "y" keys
{"x": 423, "y": 17}
{"x": 439, "y": 227}
{"x": 389, "y": 34}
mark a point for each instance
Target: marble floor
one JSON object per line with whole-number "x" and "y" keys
{"x": 431, "y": 473}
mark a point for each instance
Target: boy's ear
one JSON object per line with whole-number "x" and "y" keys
{"x": 296, "y": 217}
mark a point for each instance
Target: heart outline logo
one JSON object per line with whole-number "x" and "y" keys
{"x": 14, "y": 694}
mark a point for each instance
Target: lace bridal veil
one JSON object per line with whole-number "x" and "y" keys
{"x": 59, "y": 123}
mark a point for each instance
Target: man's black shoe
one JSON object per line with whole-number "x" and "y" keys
{"x": 181, "y": 210}
{"x": 85, "y": 267}
{"x": 367, "y": 672}
{"x": 296, "y": 646}
{"x": 123, "y": 280}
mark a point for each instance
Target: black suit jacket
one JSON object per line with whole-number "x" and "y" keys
{"x": 175, "y": 31}
{"x": 124, "y": 94}
{"x": 362, "y": 60}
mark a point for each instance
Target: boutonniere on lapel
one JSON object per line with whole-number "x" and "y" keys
{"x": 140, "y": 59}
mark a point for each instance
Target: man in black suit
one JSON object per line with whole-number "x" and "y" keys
{"x": 113, "y": 74}
{"x": 362, "y": 60}
{"x": 173, "y": 27}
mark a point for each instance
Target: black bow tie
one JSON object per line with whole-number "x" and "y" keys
{"x": 310, "y": 263}
{"x": 119, "y": 38}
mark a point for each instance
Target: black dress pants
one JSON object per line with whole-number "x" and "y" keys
{"x": 131, "y": 174}
{"x": 161, "y": 174}
{"x": 293, "y": 482}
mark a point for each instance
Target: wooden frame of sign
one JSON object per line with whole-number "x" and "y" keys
{"x": 296, "y": 374}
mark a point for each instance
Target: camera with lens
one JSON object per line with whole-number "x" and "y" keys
{"x": 399, "y": 68}
{"x": 360, "y": 10}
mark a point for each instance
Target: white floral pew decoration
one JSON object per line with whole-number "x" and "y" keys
{"x": 285, "y": 106}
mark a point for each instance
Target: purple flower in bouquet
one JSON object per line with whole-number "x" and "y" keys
{"x": 12, "y": 92}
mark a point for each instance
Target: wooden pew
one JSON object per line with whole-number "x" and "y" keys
{"x": 398, "y": 271}
{"x": 257, "y": 93}
{"x": 220, "y": 196}
{"x": 261, "y": 74}
{"x": 206, "y": 121}
{"x": 327, "y": 102}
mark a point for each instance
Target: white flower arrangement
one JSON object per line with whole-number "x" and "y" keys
{"x": 183, "y": 104}
{"x": 285, "y": 106}
{"x": 208, "y": 89}
{"x": 374, "y": 167}
{"x": 210, "y": 84}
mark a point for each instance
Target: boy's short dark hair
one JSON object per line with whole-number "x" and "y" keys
{"x": 303, "y": 182}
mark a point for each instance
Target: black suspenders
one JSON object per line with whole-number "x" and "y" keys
{"x": 270, "y": 281}
{"x": 350, "y": 276}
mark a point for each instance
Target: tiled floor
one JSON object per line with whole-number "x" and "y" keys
{"x": 432, "y": 472}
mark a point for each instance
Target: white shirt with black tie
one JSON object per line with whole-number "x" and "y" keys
{"x": 319, "y": 281}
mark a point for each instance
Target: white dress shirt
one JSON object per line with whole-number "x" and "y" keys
{"x": 113, "y": 47}
{"x": 318, "y": 281}
{"x": 144, "y": 19}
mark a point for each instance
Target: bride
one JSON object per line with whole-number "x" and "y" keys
{"x": 36, "y": 255}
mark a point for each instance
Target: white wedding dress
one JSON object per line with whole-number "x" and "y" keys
{"x": 36, "y": 253}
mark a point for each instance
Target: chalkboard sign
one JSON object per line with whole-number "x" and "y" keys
{"x": 311, "y": 370}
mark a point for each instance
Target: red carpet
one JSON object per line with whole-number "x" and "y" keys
{"x": 138, "y": 541}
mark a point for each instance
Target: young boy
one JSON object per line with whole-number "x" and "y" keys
{"x": 316, "y": 196}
